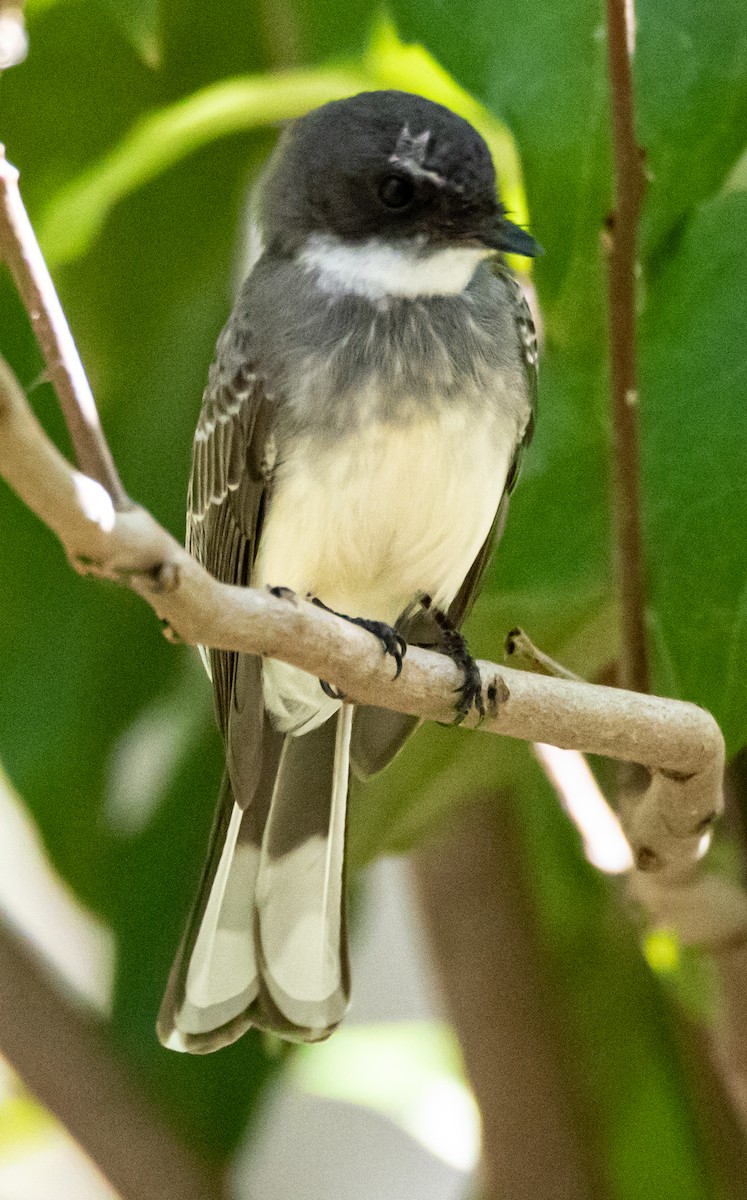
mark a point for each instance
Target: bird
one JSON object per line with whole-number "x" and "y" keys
{"x": 359, "y": 435}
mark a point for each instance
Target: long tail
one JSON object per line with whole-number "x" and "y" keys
{"x": 265, "y": 944}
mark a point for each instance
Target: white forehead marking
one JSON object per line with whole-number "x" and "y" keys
{"x": 377, "y": 269}
{"x": 410, "y": 153}
{"x": 411, "y": 149}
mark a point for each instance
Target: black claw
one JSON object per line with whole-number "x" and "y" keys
{"x": 470, "y": 693}
{"x": 392, "y": 641}
{"x": 332, "y": 692}
{"x": 282, "y": 593}
{"x": 454, "y": 645}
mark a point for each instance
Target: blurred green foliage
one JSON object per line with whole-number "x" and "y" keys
{"x": 149, "y": 271}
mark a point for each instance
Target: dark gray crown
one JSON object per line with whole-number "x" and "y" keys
{"x": 333, "y": 170}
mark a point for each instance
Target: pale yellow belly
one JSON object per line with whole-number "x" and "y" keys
{"x": 369, "y": 524}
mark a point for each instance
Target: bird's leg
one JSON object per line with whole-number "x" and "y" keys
{"x": 453, "y": 644}
{"x": 392, "y": 642}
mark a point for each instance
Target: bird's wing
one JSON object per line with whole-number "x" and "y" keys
{"x": 228, "y": 486}
{"x": 214, "y": 978}
{"x": 378, "y": 734}
{"x": 265, "y": 943}
{"x": 461, "y": 606}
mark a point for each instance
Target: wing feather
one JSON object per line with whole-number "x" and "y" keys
{"x": 214, "y": 980}
{"x": 227, "y": 486}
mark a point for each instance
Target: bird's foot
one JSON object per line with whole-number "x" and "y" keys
{"x": 454, "y": 645}
{"x": 333, "y": 692}
{"x": 392, "y": 642}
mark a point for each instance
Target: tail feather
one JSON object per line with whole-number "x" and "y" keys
{"x": 265, "y": 944}
{"x": 300, "y": 902}
{"x": 214, "y": 978}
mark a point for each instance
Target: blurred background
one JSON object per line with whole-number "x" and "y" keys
{"x": 487, "y": 946}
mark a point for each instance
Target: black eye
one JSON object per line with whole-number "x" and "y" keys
{"x": 396, "y": 191}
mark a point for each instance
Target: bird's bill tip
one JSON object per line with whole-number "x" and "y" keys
{"x": 512, "y": 239}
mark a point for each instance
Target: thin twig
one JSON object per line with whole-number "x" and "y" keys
{"x": 20, "y": 250}
{"x": 522, "y": 650}
{"x": 621, "y": 243}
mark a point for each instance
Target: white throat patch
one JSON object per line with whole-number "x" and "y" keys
{"x": 377, "y": 269}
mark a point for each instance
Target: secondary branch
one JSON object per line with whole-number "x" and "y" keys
{"x": 20, "y": 250}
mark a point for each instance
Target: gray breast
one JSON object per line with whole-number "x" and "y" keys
{"x": 334, "y": 361}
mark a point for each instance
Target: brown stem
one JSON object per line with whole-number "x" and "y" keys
{"x": 479, "y": 920}
{"x": 65, "y": 1061}
{"x": 20, "y": 250}
{"x": 621, "y": 243}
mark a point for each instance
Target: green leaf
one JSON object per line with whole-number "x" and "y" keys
{"x": 140, "y": 21}
{"x": 737, "y": 181}
{"x": 75, "y": 217}
{"x": 35, "y": 6}
{"x": 694, "y": 423}
{"x": 542, "y": 69}
{"x": 691, "y": 93}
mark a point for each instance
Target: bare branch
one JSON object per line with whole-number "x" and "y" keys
{"x": 621, "y": 243}
{"x": 705, "y": 910}
{"x": 65, "y": 1060}
{"x": 680, "y": 743}
{"x": 20, "y": 250}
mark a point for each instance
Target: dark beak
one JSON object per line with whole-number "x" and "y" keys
{"x": 512, "y": 239}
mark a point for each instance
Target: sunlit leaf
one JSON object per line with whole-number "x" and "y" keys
{"x": 75, "y": 217}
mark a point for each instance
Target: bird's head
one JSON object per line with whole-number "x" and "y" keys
{"x": 386, "y": 170}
